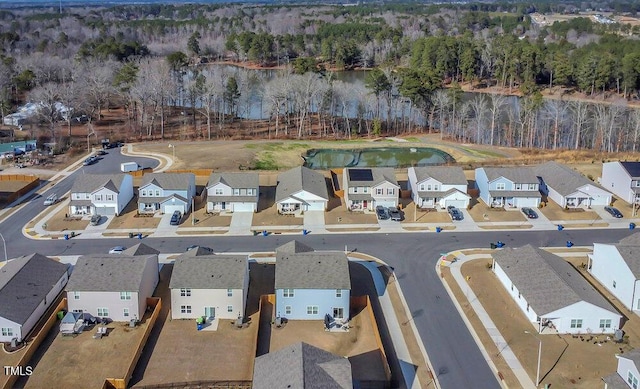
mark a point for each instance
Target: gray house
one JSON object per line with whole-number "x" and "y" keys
{"x": 233, "y": 192}
{"x": 113, "y": 286}
{"x": 568, "y": 188}
{"x": 102, "y": 194}
{"x": 213, "y": 286}
{"x": 366, "y": 188}
{"x": 438, "y": 187}
{"x": 628, "y": 372}
{"x": 166, "y": 192}
{"x": 302, "y": 366}
{"x": 28, "y": 287}
{"x": 508, "y": 187}
{"x": 301, "y": 189}
{"x": 310, "y": 284}
{"x": 622, "y": 179}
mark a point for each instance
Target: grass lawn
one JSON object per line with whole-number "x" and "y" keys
{"x": 58, "y": 222}
{"x": 129, "y": 219}
{"x": 553, "y": 212}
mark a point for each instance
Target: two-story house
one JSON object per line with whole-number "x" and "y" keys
{"x": 622, "y": 179}
{"x": 310, "y": 285}
{"x": 213, "y": 286}
{"x": 568, "y": 188}
{"x": 166, "y": 192}
{"x": 627, "y": 374}
{"x": 512, "y": 187}
{"x": 438, "y": 187}
{"x": 112, "y": 286}
{"x": 102, "y": 194}
{"x": 301, "y": 189}
{"x": 233, "y": 192}
{"x": 367, "y": 188}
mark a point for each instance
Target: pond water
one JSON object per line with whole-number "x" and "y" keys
{"x": 376, "y": 157}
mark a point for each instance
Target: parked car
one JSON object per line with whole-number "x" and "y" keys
{"x": 52, "y": 199}
{"x": 455, "y": 213}
{"x": 90, "y": 161}
{"x": 530, "y": 213}
{"x": 101, "y": 152}
{"x": 382, "y": 212}
{"x": 395, "y": 214}
{"x": 95, "y": 220}
{"x": 117, "y": 250}
{"x": 613, "y": 211}
{"x": 175, "y": 218}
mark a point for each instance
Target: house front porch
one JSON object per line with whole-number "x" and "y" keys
{"x": 148, "y": 208}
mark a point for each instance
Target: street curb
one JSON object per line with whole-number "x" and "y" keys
{"x": 158, "y": 157}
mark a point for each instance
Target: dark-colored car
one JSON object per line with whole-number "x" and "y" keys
{"x": 613, "y": 211}
{"x": 530, "y": 213}
{"x": 90, "y": 161}
{"x": 395, "y": 214}
{"x": 455, "y": 213}
{"x": 382, "y": 212}
{"x": 95, "y": 220}
{"x": 175, "y": 218}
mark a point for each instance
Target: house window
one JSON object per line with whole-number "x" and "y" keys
{"x": 518, "y": 186}
{"x": 218, "y": 191}
{"x": 185, "y": 292}
{"x": 125, "y": 312}
{"x": 229, "y": 308}
{"x": 125, "y": 295}
{"x": 365, "y": 189}
{"x": 511, "y": 286}
{"x": 422, "y": 187}
{"x": 157, "y": 192}
{"x": 576, "y": 323}
{"x": 98, "y": 197}
{"x": 236, "y": 191}
{"x": 614, "y": 284}
{"x": 632, "y": 380}
{"x": 229, "y": 292}
{"x": 500, "y": 186}
{"x": 338, "y": 293}
{"x": 6, "y": 331}
{"x": 338, "y": 313}
{"x": 87, "y": 196}
{"x": 532, "y": 187}
{"x": 391, "y": 191}
{"x": 355, "y": 189}
{"x": 312, "y": 310}
{"x": 109, "y": 197}
{"x": 429, "y": 187}
{"x": 287, "y": 293}
{"x": 605, "y": 323}
{"x": 185, "y": 309}
{"x": 76, "y": 295}
{"x": 143, "y": 193}
{"x": 527, "y": 307}
{"x": 379, "y": 191}
{"x": 287, "y": 310}
{"x": 103, "y": 312}
{"x": 435, "y": 187}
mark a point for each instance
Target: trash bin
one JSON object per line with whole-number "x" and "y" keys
{"x": 569, "y": 243}
{"x": 265, "y": 233}
{"x": 438, "y": 229}
{"x": 632, "y": 226}
{"x": 493, "y": 245}
{"x": 139, "y": 236}
{"x": 560, "y": 227}
{"x": 500, "y": 244}
{"x": 66, "y": 236}
{"x": 73, "y": 234}
{"x": 60, "y": 315}
{"x": 199, "y": 326}
{"x": 305, "y": 232}
{"x": 131, "y": 235}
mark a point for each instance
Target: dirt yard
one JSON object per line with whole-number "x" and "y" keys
{"x": 553, "y": 212}
{"x": 267, "y": 214}
{"x": 208, "y": 220}
{"x": 424, "y": 215}
{"x": 130, "y": 220}
{"x": 61, "y": 222}
{"x": 480, "y": 212}
{"x": 338, "y": 214}
{"x": 567, "y": 361}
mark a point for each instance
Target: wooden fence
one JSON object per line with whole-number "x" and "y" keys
{"x": 201, "y": 385}
{"x": 363, "y": 302}
{"x": 32, "y": 182}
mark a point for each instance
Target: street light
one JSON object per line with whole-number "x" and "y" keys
{"x": 539, "y": 356}
{"x": 173, "y": 147}
{"x": 4, "y": 244}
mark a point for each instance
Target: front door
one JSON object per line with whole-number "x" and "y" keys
{"x": 223, "y": 206}
{"x": 364, "y": 205}
{"x": 338, "y": 313}
{"x": 209, "y": 312}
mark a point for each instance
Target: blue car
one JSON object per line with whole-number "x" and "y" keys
{"x": 613, "y": 211}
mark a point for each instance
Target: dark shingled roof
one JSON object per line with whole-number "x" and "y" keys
{"x": 633, "y": 168}
{"x": 448, "y": 175}
{"x": 210, "y": 272}
{"x": 301, "y": 178}
{"x": 517, "y": 175}
{"x": 235, "y": 180}
{"x": 312, "y": 270}
{"x": 302, "y": 366}
{"x": 108, "y": 273}
{"x": 24, "y": 283}
{"x": 294, "y": 247}
{"x": 141, "y": 249}
{"x": 561, "y": 178}
{"x": 88, "y": 183}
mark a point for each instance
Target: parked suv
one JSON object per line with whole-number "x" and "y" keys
{"x": 455, "y": 213}
{"x": 382, "y": 212}
{"x": 52, "y": 199}
{"x": 613, "y": 211}
{"x": 95, "y": 219}
{"x": 395, "y": 214}
{"x": 175, "y": 218}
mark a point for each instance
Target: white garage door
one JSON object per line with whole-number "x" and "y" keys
{"x": 316, "y": 206}
{"x": 106, "y": 210}
{"x": 388, "y": 203}
{"x": 462, "y": 204}
{"x": 243, "y": 207}
{"x": 170, "y": 208}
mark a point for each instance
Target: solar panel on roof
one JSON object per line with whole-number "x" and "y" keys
{"x": 360, "y": 175}
{"x": 633, "y": 168}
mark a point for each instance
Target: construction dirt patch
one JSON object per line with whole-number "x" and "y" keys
{"x": 61, "y": 221}
{"x": 480, "y": 212}
{"x": 339, "y": 214}
{"x": 129, "y": 219}
{"x": 554, "y": 212}
{"x": 425, "y": 215}
{"x": 204, "y": 219}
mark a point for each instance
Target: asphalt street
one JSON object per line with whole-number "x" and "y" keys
{"x": 456, "y": 359}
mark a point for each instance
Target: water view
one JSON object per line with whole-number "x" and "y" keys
{"x": 376, "y": 157}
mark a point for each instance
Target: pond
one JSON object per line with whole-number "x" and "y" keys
{"x": 396, "y": 157}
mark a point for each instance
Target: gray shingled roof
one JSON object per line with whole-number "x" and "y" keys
{"x": 561, "y": 178}
{"x": 378, "y": 174}
{"x": 546, "y": 281}
{"x": 302, "y": 366}
{"x": 520, "y": 175}
{"x": 301, "y": 178}
{"x": 141, "y": 249}
{"x": 614, "y": 381}
{"x": 450, "y": 175}
{"x": 195, "y": 252}
{"x": 631, "y": 240}
{"x": 440, "y": 194}
{"x": 515, "y": 193}
{"x": 108, "y": 273}
{"x": 210, "y": 272}
{"x": 312, "y": 270}
{"x": 292, "y": 247}
{"x": 628, "y": 249}
{"x": 87, "y": 183}
{"x": 235, "y": 180}
{"x": 168, "y": 180}
{"x": 633, "y": 356}
{"x": 24, "y": 283}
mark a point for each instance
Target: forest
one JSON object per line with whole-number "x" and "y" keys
{"x": 569, "y": 84}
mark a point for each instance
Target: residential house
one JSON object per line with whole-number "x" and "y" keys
{"x": 438, "y": 187}
{"x": 512, "y": 187}
{"x": 166, "y": 192}
{"x": 301, "y": 189}
{"x": 628, "y": 372}
{"x": 112, "y": 286}
{"x": 28, "y": 287}
{"x": 303, "y": 366}
{"x": 622, "y": 179}
{"x": 214, "y": 286}
{"x": 367, "y": 188}
{"x": 101, "y": 194}
{"x": 552, "y": 294}
{"x": 233, "y": 192}
{"x": 617, "y": 267}
{"x": 310, "y": 284}
{"x": 568, "y": 188}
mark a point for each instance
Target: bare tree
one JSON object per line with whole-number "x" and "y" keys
{"x": 441, "y": 101}
{"x": 556, "y": 110}
{"x": 478, "y": 106}
{"x": 580, "y": 115}
{"x": 497, "y": 103}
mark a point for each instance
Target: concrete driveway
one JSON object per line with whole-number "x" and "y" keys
{"x": 241, "y": 223}
{"x": 467, "y": 223}
{"x": 542, "y": 222}
{"x": 314, "y": 221}
{"x": 102, "y": 225}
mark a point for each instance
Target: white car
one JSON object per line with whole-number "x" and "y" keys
{"x": 52, "y": 199}
{"x": 117, "y": 250}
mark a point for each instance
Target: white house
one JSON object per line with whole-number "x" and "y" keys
{"x": 368, "y": 187}
{"x": 310, "y": 284}
{"x": 622, "y": 179}
{"x": 512, "y": 187}
{"x": 438, "y": 187}
{"x": 102, "y": 194}
{"x": 166, "y": 192}
{"x": 233, "y": 192}
{"x": 552, "y": 294}
{"x": 568, "y": 188}
{"x": 617, "y": 268}
{"x": 28, "y": 287}
{"x": 628, "y": 372}
{"x": 213, "y": 286}
{"x": 302, "y": 365}
{"x": 301, "y": 189}
{"x": 114, "y": 286}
